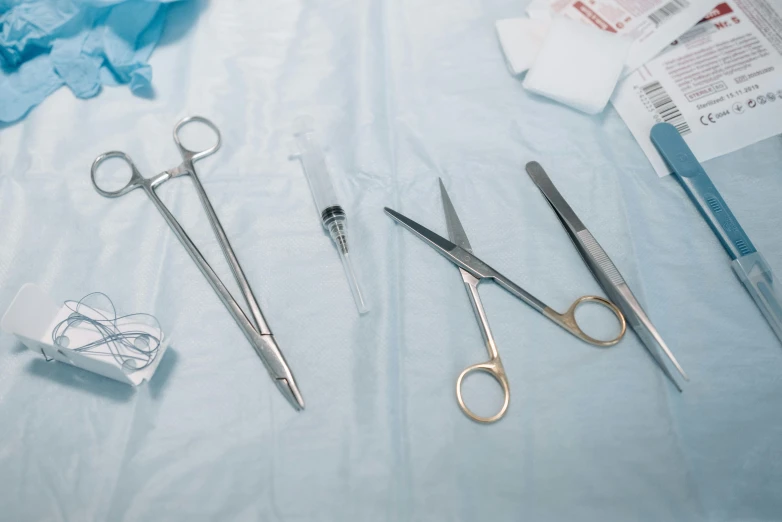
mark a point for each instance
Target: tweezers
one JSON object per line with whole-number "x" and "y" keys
{"x": 605, "y": 272}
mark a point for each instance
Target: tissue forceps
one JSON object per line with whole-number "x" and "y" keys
{"x": 473, "y": 270}
{"x": 257, "y": 332}
{"x": 605, "y": 271}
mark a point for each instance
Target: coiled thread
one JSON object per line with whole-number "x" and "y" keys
{"x": 132, "y": 349}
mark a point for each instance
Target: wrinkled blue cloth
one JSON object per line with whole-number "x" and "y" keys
{"x": 82, "y": 44}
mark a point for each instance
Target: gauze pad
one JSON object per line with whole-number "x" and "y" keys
{"x": 578, "y": 65}
{"x": 521, "y": 39}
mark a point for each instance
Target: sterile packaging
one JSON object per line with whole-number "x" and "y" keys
{"x": 756, "y": 276}
{"x": 720, "y": 84}
{"x": 33, "y": 315}
{"x": 578, "y": 58}
{"x": 651, "y": 24}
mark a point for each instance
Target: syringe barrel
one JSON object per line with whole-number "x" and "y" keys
{"x": 332, "y": 215}
{"x": 316, "y": 171}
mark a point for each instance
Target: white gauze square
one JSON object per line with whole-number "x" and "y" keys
{"x": 578, "y": 65}
{"x": 520, "y": 39}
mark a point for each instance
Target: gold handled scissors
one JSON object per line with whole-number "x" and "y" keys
{"x": 473, "y": 271}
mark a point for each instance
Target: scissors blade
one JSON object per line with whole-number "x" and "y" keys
{"x": 456, "y": 232}
{"x": 459, "y": 256}
{"x": 435, "y": 241}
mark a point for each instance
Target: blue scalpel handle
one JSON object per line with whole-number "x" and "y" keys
{"x": 750, "y": 267}
{"x": 701, "y": 190}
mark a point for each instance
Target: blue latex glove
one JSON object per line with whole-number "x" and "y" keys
{"x": 47, "y": 43}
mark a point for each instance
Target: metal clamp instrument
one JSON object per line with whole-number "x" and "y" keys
{"x": 257, "y": 332}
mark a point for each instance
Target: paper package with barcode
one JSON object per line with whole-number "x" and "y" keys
{"x": 720, "y": 83}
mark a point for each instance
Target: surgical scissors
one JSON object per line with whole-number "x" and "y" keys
{"x": 473, "y": 271}
{"x": 257, "y": 332}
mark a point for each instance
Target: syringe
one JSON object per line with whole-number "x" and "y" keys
{"x": 332, "y": 214}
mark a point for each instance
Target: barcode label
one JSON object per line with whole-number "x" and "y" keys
{"x": 665, "y": 108}
{"x": 668, "y": 10}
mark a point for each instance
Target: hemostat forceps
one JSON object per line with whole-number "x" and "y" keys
{"x": 605, "y": 272}
{"x": 473, "y": 270}
{"x": 257, "y": 332}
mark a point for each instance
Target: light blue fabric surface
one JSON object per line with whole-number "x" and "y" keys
{"x": 79, "y": 43}
{"x": 402, "y": 92}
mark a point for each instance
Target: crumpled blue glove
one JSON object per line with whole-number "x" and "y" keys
{"x": 80, "y": 43}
